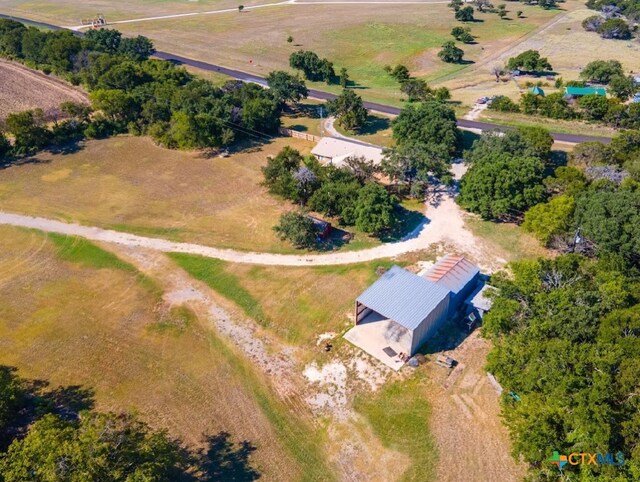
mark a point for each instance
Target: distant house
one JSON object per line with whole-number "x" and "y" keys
{"x": 324, "y": 227}
{"x": 582, "y": 91}
{"x": 331, "y": 150}
{"x": 536, "y": 91}
{"x": 400, "y": 311}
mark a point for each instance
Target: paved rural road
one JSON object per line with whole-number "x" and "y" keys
{"x": 318, "y": 94}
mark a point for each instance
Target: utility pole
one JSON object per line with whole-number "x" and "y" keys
{"x": 321, "y": 122}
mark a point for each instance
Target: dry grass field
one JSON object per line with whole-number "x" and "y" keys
{"x": 71, "y": 12}
{"x": 362, "y": 38}
{"x": 567, "y": 45}
{"x": 130, "y": 184}
{"x": 24, "y": 89}
{"x": 72, "y": 314}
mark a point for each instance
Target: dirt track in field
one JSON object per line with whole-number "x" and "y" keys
{"x": 22, "y": 89}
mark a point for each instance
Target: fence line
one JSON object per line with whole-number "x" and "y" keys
{"x": 298, "y": 135}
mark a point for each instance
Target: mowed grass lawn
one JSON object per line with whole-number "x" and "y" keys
{"x": 297, "y": 304}
{"x": 73, "y": 314}
{"x": 399, "y": 416}
{"x": 362, "y": 38}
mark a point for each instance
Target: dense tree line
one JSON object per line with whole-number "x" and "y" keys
{"x": 598, "y": 197}
{"x": 348, "y": 193}
{"x": 610, "y": 23}
{"x": 566, "y": 341}
{"x": 130, "y": 92}
{"x": 566, "y": 332}
{"x": 55, "y": 435}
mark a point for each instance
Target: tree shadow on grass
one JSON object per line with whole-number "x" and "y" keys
{"x": 375, "y": 124}
{"x": 352, "y": 84}
{"x": 224, "y": 460}
{"x": 12, "y": 161}
{"x": 298, "y": 127}
{"x": 336, "y": 240}
{"x": 468, "y": 138}
{"x": 303, "y": 110}
{"x": 407, "y": 226}
{"x": 38, "y": 399}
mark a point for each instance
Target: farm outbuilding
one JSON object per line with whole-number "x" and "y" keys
{"x": 398, "y": 313}
{"x": 582, "y": 91}
{"x": 334, "y": 151}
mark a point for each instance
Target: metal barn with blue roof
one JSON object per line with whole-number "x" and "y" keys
{"x": 400, "y": 311}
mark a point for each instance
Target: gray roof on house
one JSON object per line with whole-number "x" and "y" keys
{"x": 403, "y": 297}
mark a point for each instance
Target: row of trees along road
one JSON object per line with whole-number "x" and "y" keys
{"x": 131, "y": 93}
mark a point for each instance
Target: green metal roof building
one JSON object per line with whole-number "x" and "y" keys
{"x": 537, "y": 91}
{"x": 580, "y": 91}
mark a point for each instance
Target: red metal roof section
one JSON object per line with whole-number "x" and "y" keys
{"x": 444, "y": 267}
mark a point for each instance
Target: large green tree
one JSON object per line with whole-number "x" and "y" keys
{"x": 529, "y": 61}
{"x": 297, "y": 228}
{"x": 348, "y": 109}
{"x": 546, "y": 220}
{"x": 611, "y": 219}
{"x": 450, "y": 53}
{"x": 279, "y": 171}
{"x": 601, "y": 71}
{"x": 286, "y": 87}
{"x": 373, "y": 209}
{"x": 428, "y": 123}
{"x": 502, "y": 186}
{"x": 28, "y": 130}
{"x": 96, "y": 447}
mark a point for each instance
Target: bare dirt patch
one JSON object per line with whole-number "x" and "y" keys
{"x": 23, "y": 89}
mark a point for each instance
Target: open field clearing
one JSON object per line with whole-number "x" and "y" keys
{"x": 363, "y": 43}
{"x": 70, "y": 12}
{"x": 567, "y": 45}
{"x": 24, "y": 89}
{"x": 310, "y": 301}
{"x": 72, "y": 314}
{"x": 129, "y": 184}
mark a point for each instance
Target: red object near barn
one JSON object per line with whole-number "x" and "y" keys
{"x": 324, "y": 227}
